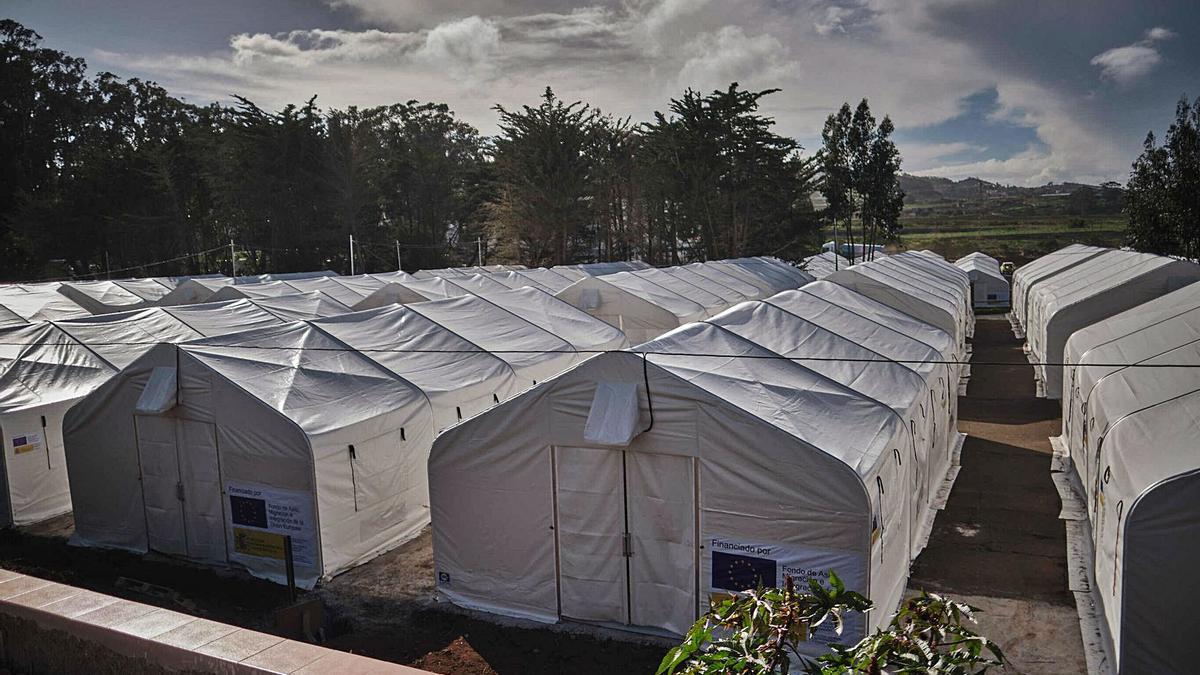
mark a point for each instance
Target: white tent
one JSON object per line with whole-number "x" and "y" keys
{"x": 478, "y": 284}
{"x": 57, "y": 363}
{"x": 578, "y": 500}
{"x": 870, "y": 373}
{"x": 10, "y": 319}
{"x": 1090, "y": 292}
{"x": 459, "y": 378}
{"x": 782, "y": 275}
{"x": 685, "y": 308}
{"x": 709, "y": 299}
{"x": 822, "y": 265}
{"x": 296, "y": 306}
{"x": 585, "y": 333}
{"x": 1130, "y": 424}
{"x": 914, "y": 296}
{"x": 39, "y": 302}
{"x": 104, "y": 297}
{"x": 726, "y": 292}
{"x": 331, "y": 287}
{"x": 725, "y": 277}
{"x": 534, "y": 353}
{"x": 989, "y": 288}
{"x": 217, "y": 449}
{"x": 192, "y": 291}
{"x": 1028, "y": 276}
{"x": 639, "y": 318}
{"x": 942, "y": 276}
{"x": 548, "y": 279}
{"x": 392, "y": 293}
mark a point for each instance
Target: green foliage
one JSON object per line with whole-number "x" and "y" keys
{"x": 761, "y": 631}
{"x": 861, "y": 176}
{"x": 99, "y": 173}
{"x": 1162, "y": 197}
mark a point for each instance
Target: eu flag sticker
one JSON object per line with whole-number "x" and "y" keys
{"x": 248, "y": 511}
{"x": 740, "y": 572}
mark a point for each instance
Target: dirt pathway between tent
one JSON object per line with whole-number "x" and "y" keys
{"x": 999, "y": 544}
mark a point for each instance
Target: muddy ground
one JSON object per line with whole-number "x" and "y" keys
{"x": 998, "y": 545}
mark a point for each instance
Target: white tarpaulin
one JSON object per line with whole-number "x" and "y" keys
{"x": 1028, "y": 276}
{"x": 989, "y": 288}
{"x": 1131, "y": 403}
{"x": 1090, "y": 292}
{"x": 640, "y": 318}
{"x": 531, "y": 519}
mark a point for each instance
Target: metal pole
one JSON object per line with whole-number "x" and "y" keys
{"x": 290, "y": 564}
{"x": 479, "y": 249}
{"x": 399, "y": 267}
{"x": 232, "y": 260}
{"x": 351, "y": 255}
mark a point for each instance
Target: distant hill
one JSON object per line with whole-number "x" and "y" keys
{"x": 931, "y": 189}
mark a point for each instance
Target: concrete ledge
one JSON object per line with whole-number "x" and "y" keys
{"x": 47, "y": 627}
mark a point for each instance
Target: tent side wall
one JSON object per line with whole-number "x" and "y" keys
{"x": 1061, "y": 324}
{"x": 35, "y": 470}
{"x": 1160, "y": 558}
{"x": 102, "y": 458}
{"x": 499, "y": 548}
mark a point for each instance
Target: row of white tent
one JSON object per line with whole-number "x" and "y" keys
{"x": 48, "y": 366}
{"x": 212, "y": 448}
{"x": 808, "y": 431}
{"x": 989, "y": 287}
{"x": 1078, "y": 286}
{"x": 1130, "y": 391}
{"x": 51, "y": 301}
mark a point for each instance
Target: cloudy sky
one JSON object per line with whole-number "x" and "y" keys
{"x": 1016, "y": 91}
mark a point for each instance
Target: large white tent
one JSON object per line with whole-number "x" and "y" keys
{"x": 38, "y": 302}
{"x": 751, "y": 288}
{"x": 57, "y": 363}
{"x": 1028, "y": 276}
{"x": 217, "y": 449}
{"x": 728, "y": 294}
{"x": 684, "y": 308}
{"x": 1090, "y": 292}
{"x": 640, "y": 318}
{"x": 911, "y": 295}
{"x": 1131, "y": 403}
{"x": 585, "y": 333}
{"x": 627, "y": 491}
{"x": 708, "y": 299}
{"x": 103, "y": 297}
{"x": 534, "y": 353}
{"x": 989, "y": 288}
{"x": 823, "y": 264}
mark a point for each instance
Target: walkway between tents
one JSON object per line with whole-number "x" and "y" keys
{"x": 999, "y": 544}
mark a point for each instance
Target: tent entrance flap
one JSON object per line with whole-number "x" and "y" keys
{"x": 627, "y": 541}
{"x": 613, "y": 417}
{"x": 159, "y": 395}
{"x": 181, "y": 487}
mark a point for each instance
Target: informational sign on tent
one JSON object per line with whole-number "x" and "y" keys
{"x": 739, "y": 565}
{"x": 27, "y": 443}
{"x": 262, "y": 516}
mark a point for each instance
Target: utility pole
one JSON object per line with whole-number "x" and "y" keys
{"x": 351, "y": 255}
{"x": 232, "y": 259}
{"x": 399, "y": 267}
{"x": 479, "y": 249}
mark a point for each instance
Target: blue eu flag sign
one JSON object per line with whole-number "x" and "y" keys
{"x": 741, "y": 572}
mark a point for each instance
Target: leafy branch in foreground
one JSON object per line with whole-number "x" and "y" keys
{"x": 760, "y": 632}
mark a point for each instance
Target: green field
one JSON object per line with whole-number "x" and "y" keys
{"x": 1016, "y": 241}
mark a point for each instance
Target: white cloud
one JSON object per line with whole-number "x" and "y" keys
{"x": 921, "y": 156}
{"x": 1125, "y": 65}
{"x": 629, "y": 57}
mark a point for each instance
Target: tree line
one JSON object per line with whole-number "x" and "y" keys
{"x": 1162, "y": 197}
{"x": 103, "y": 176}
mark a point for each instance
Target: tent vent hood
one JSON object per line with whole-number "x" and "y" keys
{"x": 613, "y": 418}
{"x": 159, "y": 395}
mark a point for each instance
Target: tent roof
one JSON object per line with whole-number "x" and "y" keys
{"x": 830, "y": 354}
{"x": 529, "y": 349}
{"x": 744, "y": 286}
{"x": 296, "y": 306}
{"x": 549, "y": 279}
{"x": 1033, "y": 273}
{"x": 681, "y": 306}
{"x": 823, "y": 264}
{"x": 330, "y": 287}
{"x": 423, "y": 352}
{"x": 780, "y": 392}
{"x": 710, "y": 300}
{"x": 862, "y": 305}
{"x": 728, "y": 295}
{"x": 583, "y": 331}
{"x": 314, "y": 380}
